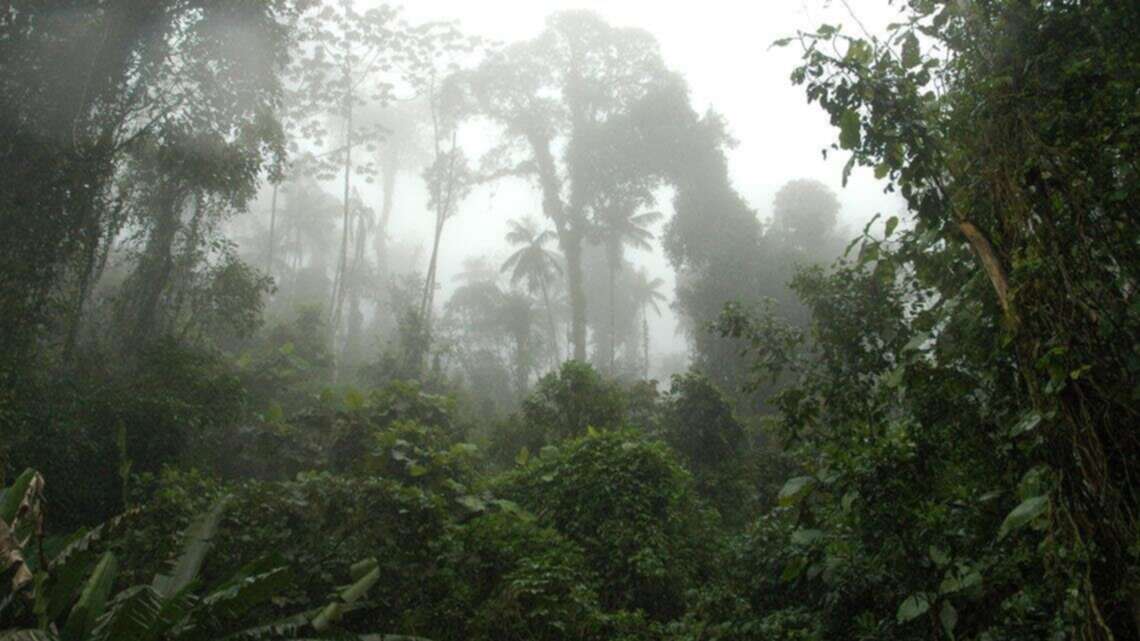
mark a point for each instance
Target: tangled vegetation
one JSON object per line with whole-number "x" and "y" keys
{"x": 931, "y": 434}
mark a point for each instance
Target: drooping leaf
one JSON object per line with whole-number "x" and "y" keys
{"x": 332, "y": 612}
{"x": 14, "y": 495}
{"x": 198, "y": 540}
{"x": 92, "y": 601}
{"x": 254, "y": 585}
{"x": 949, "y": 618}
{"x": 1023, "y": 514}
{"x": 132, "y": 616}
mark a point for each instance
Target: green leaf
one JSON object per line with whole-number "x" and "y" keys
{"x": 890, "y": 225}
{"x": 958, "y": 579}
{"x": 332, "y": 612}
{"x": 849, "y": 130}
{"x": 1023, "y": 514}
{"x": 27, "y": 635}
{"x": 14, "y": 495}
{"x": 255, "y": 584}
{"x": 360, "y": 569}
{"x": 473, "y": 503}
{"x": 197, "y": 543}
{"x": 92, "y": 601}
{"x": 949, "y": 618}
{"x": 795, "y": 490}
{"x": 1028, "y": 422}
{"x": 793, "y": 569}
{"x": 523, "y": 456}
{"x": 916, "y": 342}
{"x": 881, "y": 171}
{"x": 135, "y": 614}
{"x": 939, "y": 556}
{"x": 914, "y": 606}
{"x": 806, "y": 537}
{"x": 911, "y": 56}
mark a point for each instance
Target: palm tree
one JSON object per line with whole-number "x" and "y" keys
{"x": 535, "y": 264}
{"x": 620, "y": 226}
{"x": 645, "y": 296}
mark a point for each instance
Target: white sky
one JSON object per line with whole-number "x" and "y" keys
{"x": 722, "y": 49}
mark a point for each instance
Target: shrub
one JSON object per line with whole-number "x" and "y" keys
{"x": 633, "y": 510}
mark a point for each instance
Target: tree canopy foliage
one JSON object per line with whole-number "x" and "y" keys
{"x": 232, "y": 406}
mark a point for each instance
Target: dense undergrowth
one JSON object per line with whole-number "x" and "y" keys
{"x": 935, "y": 440}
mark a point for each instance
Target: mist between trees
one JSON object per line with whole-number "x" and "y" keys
{"x": 239, "y": 400}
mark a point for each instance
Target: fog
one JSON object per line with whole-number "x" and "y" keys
{"x": 723, "y": 50}
{"x": 569, "y": 320}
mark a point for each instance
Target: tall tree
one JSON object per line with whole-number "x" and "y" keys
{"x": 804, "y": 213}
{"x": 565, "y": 103}
{"x": 438, "y": 49}
{"x": 619, "y": 226}
{"x": 536, "y": 265}
{"x": 646, "y": 295}
{"x": 351, "y": 52}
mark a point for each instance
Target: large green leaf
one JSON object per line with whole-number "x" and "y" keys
{"x": 132, "y": 616}
{"x": 198, "y": 541}
{"x": 92, "y": 601}
{"x": 13, "y": 496}
{"x": 252, "y": 586}
{"x": 369, "y": 573}
{"x": 1024, "y": 513}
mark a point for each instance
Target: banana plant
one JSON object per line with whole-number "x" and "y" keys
{"x": 72, "y": 598}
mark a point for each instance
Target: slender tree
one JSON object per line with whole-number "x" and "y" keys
{"x": 619, "y": 226}
{"x": 536, "y": 265}
{"x": 348, "y": 66}
{"x": 646, "y": 295}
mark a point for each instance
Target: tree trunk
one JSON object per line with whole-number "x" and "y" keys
{"x": 339, "y": 281}
{"x": 555, "y": 351}
{"x": 645, "y": 339}
{"x": 388, "y": 180}
{"x": 354, "y": 285}
{"x": 272, "y": 228}
{"x": 156, "y": 266}
{"x": 429, "y": 281}
{"x": 613, "y": 314}
{"x": 572, "y": 248}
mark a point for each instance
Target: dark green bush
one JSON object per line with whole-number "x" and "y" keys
{"x": 633, "y": 510}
